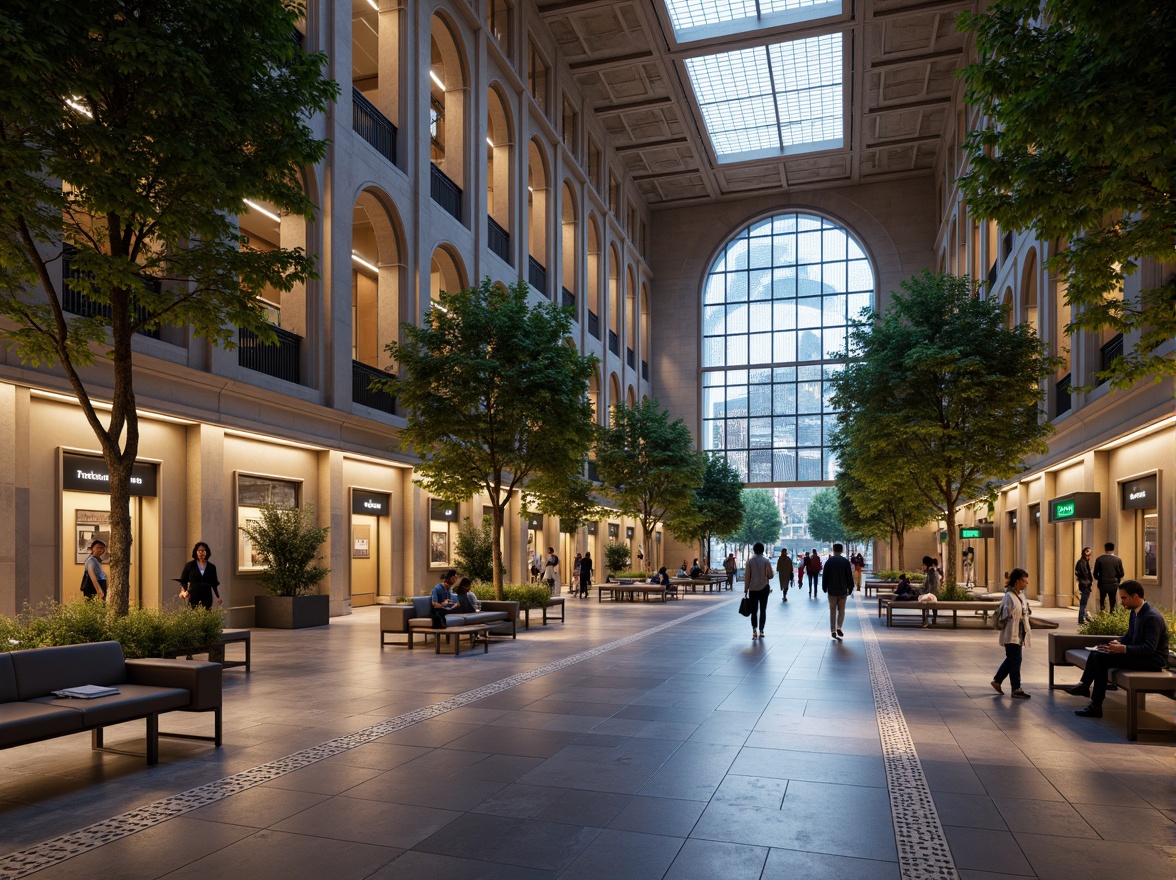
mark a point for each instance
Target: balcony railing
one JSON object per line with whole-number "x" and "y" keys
{"x": 1006, "y": 246}
{"x": 567, "y": 299}
{"x": 593, "y": 324}
{"x": 1110, "y": 351}
{"x": 74, "y": 301}
{"x": 444, "y": 191}
{"x": 361, "y": 392}
{"x": 645, "y": 370}
{"x": 279, "y": 360}
{"x": 537, "y": 275}
{"x": 1062, "y": 400}
{"x": 614, "y": 342}
{"x": 498, "y": 239}
{"x": 373, "y": 126}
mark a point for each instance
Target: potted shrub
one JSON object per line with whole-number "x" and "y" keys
{"x": 288, "y": 541}
{"x": 616, "y": 556}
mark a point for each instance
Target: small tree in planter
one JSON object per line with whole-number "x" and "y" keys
{"x": 616, "y": 556}
{"x": 288, "y": 541}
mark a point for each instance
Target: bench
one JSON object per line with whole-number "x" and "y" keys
{"x": 1069, "y": 650}
{"x": 621, "y": 592}
{"x": 216, "y": 653}
{"x": 554, "y": 602}
{"x": 982, "y": 607}
{"x": 401, "y": 619}
{"x": 29, "y": 711}
{"x": 479, "y": 634}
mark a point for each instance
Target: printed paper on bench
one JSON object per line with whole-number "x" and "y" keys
{"x": 87, "y": 692}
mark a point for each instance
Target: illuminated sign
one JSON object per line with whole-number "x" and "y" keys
{"x": 88, "y": 473}
{"x": 977, "y": 532}
{"x": 1140, "y": 494}
{"x": 1075, "y": 506}
{"x": 442, "y": 511}
{"x": 369, "y": 503}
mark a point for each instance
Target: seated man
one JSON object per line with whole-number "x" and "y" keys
{"x": 1144, "y": 647}
{"x": 904, "y": 592}
{"x": 441, "y": 601}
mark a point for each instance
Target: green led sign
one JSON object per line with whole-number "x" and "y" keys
{"x": 969, "y": 533}
{"x": 1063, "y": 510}
{"x": 1075, "y": 506}
{"x": 978, "y": 532}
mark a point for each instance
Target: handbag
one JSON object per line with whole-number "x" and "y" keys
{"x": 745, "y": 606}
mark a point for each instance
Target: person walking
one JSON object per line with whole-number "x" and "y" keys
{"x": 730, "y": 567}
{"x": 837, "y": 583}
{"x": 1014, "y": 634}
{"x": 585, "y": 574}
{"x": 199, "y": 583}
{"x": 757, "y": 577}
{"x": 859, "y": 564}
{"x": 1085, "y": 576}
{"x": 784, "y": 569}
{"x": 551, "y": 570}
{"x": 812, "y": 567}
{"x": 93, "y": 577}
{"x": 1108, "y": 572}
{"x": 1144, "y": 647}
{"x": 930, "y": 587}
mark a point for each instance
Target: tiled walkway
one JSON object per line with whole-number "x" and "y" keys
{"x": 634, "y": 741}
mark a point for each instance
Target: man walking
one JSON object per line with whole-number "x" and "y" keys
{"x": 837, "y": 582}
{"x": 812, "y": 567}
{"x": 784, "y": 569}
{"x": 1144, "y": 647}
{"x": 757, "y": 577}
{"x": 1108, "y": 572}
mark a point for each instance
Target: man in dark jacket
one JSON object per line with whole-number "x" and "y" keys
{"x": 1144, "y": 647}
{"x": 837, "y": 582}
{"x": 1108, "y": 571}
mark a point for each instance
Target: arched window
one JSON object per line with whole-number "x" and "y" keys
{"x": 645, "y": 352}
{"x": 776, "y": 307}
{"x": 614, "y": 300}
{"x": 537, "y": 217}
{"x": 569, "y": 247}
{"x": 447, "y": 88}
{"x": 498, "y": 174}
{"x": 445, "y": 273}
{"x": 630, "y": 319}
{"x": 376, "y": 266}
{"x": 593, "y": 280}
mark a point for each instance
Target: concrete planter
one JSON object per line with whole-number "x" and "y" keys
{"x": 291, "y": 612}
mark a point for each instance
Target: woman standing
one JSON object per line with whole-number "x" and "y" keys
{"x": 93, "y": 577}
{"x": 198, "y": 583}
{"x": 1014, "y": 634}
{"x": 1085, "y": 576}
{"x": 585, "y": 574}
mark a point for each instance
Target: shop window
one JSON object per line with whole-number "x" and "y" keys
{"x": 253, "y": 493}
{"x": 443, "y": 519}
{"x": 1149, "y": 545}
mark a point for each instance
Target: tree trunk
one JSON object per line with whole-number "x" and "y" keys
{"x": 120, "y": 462}
{"x": 496, "y": 518}
{"x": 901, "y": 551}
{"x": 949, "y": 566}
{"x": 121, "y": 540}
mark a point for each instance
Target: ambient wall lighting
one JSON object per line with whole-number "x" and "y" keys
{"x": 357, "y": 258}
{"x": 256, "y": 207}
{"x": 433, "y": 76}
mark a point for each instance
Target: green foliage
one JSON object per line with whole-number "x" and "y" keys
{"x": 288, "y": 540}
{"x": 648, "y": 466}
{"x": 142, "y": 632}
{"x": 473, "y": 550}
{"x": 956, "y": 593}
{"x": 631, "y": 575}
{"x": 568, "y": 497}
{"x": 717, "y": 507}
{"x": 1115, "y": 623}
{"x": 942, "y": 395}
{"x": 824, "y": 521}
{"x": 1078, "y": 102}
{"x": 616, "y": 556}
{"x": 761, "y": 519}
{"x": 888, "y": 574}
{"x": 527, "y": 595}
{"x": 495, "y": 397}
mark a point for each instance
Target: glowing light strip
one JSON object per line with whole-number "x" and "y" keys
{"x": 357, "y": 258}
{"x": 261, "y": 210}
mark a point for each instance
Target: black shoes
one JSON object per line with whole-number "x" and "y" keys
{"x": 1091, "y": 711}
{"x": 835, "y": 635}
{"x": 1019, "y": 694}
{"x": 840, "y": 634}
{"x": 1079, "y": 690}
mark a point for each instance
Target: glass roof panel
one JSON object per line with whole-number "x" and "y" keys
{"x": 698, "y": 19}
{"x": 772, "y": 100}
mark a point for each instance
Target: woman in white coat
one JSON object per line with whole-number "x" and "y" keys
{"x": 1014, "y": 633}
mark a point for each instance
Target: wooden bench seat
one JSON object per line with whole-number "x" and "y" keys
{"x": 981, "y": 607}
{"x": 629, "y": 592}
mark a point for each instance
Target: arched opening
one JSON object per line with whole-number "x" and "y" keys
{"x": 646, "y": 353}
{"x": 1028, "y": 313}
{"x": 614, "y": 393}
{"x": 1009, "y": 308}
{"x": 375, "y": 71}
{"x": 777, "y": 302}
{"x": 593, "y": 279}
{"x": 594, "y": 395}
{"x": 445, "y": 274}
{"x": 630, "y": 397}
{"x": 498, "y": 174}
{"x": 447, "y": 89}
{"x": 630, "y": 319}
{"x": 569, "y": 250}
{"x": 537, "y": 196}
{"x": 614, "y": 304}
{"x": 266, "y": 229}
{"x": 376, "y": 268}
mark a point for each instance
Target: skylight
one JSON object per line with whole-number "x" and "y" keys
{"x": 771, "y": 100}
{"x": 697, "y": 19}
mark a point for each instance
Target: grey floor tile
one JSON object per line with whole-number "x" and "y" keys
{"x": 1130, "y": 824}
{"x": 985, "y": 850}
{"x": 437, "y": 867}
{"x": 626, "y": 854}
{"x": 788, "y": 864}
{"x": 693, "y": 772}
{"x": 1064, "y": 858}
{"x": 668, "y": 816}
{"x": 324, "y": 778}
{"x": 968, "y": 811}
{"x": 272, "y": 855}
{"x": 708, "y": 859}
{"x": 444, "y": 793}
{"x": 365, "y": 821}
{"x": 544, "y": 845}
{"x": 259, "y": 807}
{"x": 1055, "y": 818}
{"x": 786, "y": 763}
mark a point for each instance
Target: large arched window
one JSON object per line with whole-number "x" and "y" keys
{"x": 776, "y": 307}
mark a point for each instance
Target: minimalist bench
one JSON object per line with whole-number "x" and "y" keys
{"x": 216, "y": 654}
{"x": 478, "y": 633}
{"x": 979, "y": 607}
{"x": 548, "y": 611}
{"x": 629, "y": 592}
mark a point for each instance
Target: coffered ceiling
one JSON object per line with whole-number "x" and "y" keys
{"x": 900, "y": 63}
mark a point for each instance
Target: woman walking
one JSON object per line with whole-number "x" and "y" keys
{"x": 1014, "y": 634}
{"x": 199, "y": 583}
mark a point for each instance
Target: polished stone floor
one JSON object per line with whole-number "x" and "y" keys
{"x": 633, "y": 741}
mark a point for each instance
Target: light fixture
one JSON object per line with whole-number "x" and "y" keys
{"x": 374, "y": 5}
{"x": 75, "y": 103}
{"x": 490, "y": 143}
{"x": 261, "y": 210}
{"x": 357, "y": 258}
{"x": 433, "y": 76}
{"x": 438, "y": 305}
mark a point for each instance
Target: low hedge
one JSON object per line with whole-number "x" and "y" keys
{"x": 1115, "y": 623}
{"x": 144, "y": 632}
{"x": 892, "y": 575}
{"x": 527, "y": 595}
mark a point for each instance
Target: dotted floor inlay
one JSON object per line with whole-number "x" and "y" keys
{"x": 66, "y": 846}
{"x": 923, "y": 851}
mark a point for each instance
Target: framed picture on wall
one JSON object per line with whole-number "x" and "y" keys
{"x": 91, "y": 525}
{"x": 248, "y": 559}
{"x": 361, "y": 547}
{"x": 438, "y": 548}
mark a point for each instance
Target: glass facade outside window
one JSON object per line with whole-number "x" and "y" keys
{"x": 776, "y": 310}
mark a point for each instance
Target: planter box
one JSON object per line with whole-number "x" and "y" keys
{"x": 292, "y": 612}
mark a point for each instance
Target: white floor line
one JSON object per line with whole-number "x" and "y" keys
{"x": 66, "y": 846}
{"x": 923, "y": 851}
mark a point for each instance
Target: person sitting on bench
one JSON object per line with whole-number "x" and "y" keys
{"x": 1144, "y": 647}
{"x": 904, "y": 592}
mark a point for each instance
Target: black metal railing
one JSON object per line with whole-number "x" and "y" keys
{"x": 1062, "y": 401}
{"x": 74, "y": 301}
{"x": 614, "y": 342}
{"x": 1110, "y": 351}
{"x": 631, "y": 358}
{"x": 567, "y": 299}
{"x": 498, "y": 239}
{"x": 279, "y": 360}
{"x": 992, "y": 273}
{"x": 593, "y": 323}
{"x": 373, "y": 126}
{"x": 645, "y": 370}
{"x": 362, "y": 393}
{"x": 444, "y": 191}
{"x": 537, "y": 275}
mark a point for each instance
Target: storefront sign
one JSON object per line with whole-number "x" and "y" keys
{"x": 369, "y": 503}
{"x": 88, "y": 473}
{"x": 1075, "y": 506}
{"x": 535, "y": 522}
{"x": 978, "y": 531}
{"x": 442, "y": 510}
{"x": 592, "y": 528}
{"x": 1141, "y": 494}
{"x": 628, "y": 531}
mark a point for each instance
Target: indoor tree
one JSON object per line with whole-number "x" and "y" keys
{"x": 761, "y": 520}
